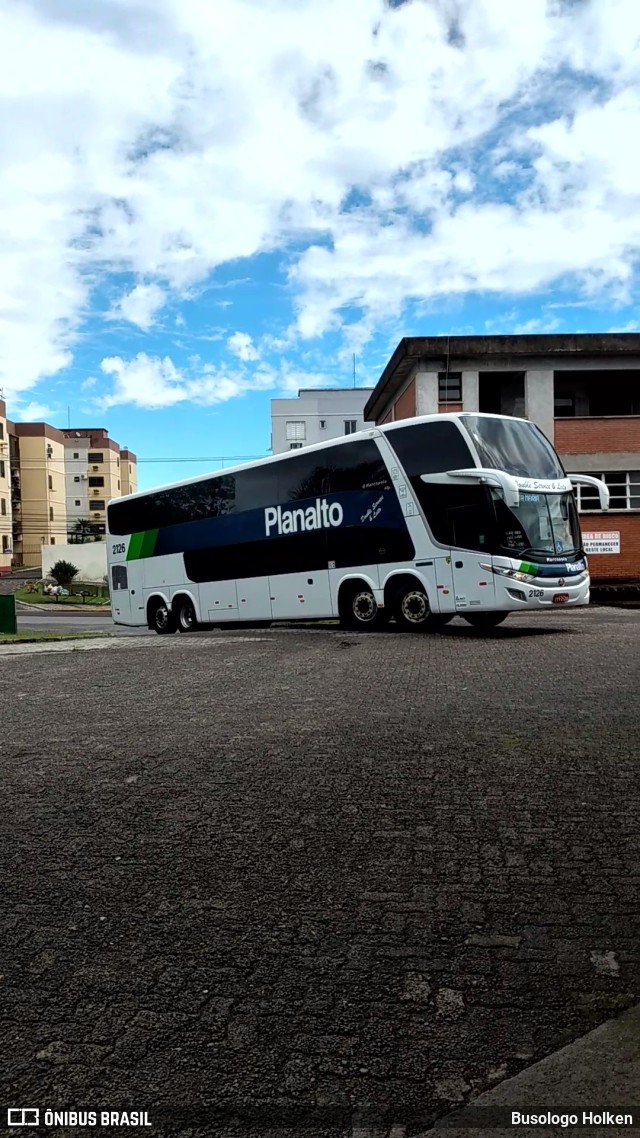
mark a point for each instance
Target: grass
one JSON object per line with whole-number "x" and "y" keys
{"x": 39, "y": 598}
{"x": 34, "y": 637}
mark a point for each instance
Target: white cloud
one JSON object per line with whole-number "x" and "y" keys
{"x": 141, "y": 305}
{"x": 32, "y": 412}
{"x": 242, "y": 346}
{"x": 171, "y": 139}
{"x": 153, "y": 383}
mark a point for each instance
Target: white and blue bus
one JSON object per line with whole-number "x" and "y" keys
{"x": 415, "y": 522}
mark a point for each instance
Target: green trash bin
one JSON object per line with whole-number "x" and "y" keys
{"x": 8, "y": 614}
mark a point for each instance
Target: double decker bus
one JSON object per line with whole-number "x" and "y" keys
{"x": 418, "y": 521}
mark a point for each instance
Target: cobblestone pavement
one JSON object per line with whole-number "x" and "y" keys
{"x": 329, "y": 882}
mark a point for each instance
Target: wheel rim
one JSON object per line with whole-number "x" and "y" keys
{"x": 186, "y": 617}
{"x": 162, "y": 616}
{"x": 415, "y": 607}
{"x": 364, "y": 607}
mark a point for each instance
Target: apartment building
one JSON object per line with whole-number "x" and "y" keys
{"x": 129, "y": 471}
{"x": 96, "y": 470}
{"x": 318, "y": 414}
{"x": 582, "y": 390}
{"x": 38, "y": 504}
{"x": 60, "y": 482}
{"x": 6, "y": 537}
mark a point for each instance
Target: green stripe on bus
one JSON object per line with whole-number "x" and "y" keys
{"x": 528, "y": 567}
{"x": 149, "y": 540}
{"x": 142, "y": 545}
{"x": 135, "y": 544}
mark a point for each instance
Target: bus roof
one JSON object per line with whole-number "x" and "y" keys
{"x": 368, "y": 433}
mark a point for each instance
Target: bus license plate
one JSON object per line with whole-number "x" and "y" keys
{"x": 560, "y": 598}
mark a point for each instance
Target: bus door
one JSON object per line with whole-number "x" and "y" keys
{"x": 473, "y": 586}
{"x": 121, "y": 600}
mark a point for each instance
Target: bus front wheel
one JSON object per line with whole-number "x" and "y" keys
{"x": 161, "y": 620}
{"x": 186, "y": 616}
{"x": 485, "y": 621}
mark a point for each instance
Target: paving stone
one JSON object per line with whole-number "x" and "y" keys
{"x": 290, "y": 882}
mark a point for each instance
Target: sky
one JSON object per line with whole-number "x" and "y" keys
{"x": 207, "y": 204}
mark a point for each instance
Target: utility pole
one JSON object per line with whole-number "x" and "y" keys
{"x": 354, "y": 369}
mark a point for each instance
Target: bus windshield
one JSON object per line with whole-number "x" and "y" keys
{"x": 513, "y": 445}
{"x": 544, "y": 524}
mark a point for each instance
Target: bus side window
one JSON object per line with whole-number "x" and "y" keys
{"x": 119, "y": 577}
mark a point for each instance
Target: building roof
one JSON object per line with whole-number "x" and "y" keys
{"x": 444, "y": 349}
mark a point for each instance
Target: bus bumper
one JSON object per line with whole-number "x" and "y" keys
{"x": 550, "y": 595}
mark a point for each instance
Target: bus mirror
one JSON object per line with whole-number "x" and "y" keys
{"x": 505, "y": 482}
{"x": 597, "y": 483}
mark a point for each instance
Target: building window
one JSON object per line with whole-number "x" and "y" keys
{"x": 3, "y": 507}
{"x": 50, "y": 513}
{"x": 95, "y": 456}
{"x": 97, "y": 505}
{"x": 296, "y": 432}
{"x": 1, "y": 430}
{"x": 50, "y": 482}
{"x": 624, "y": 491}
{"x": 53, "y": 541}
{"x": 77, "y": 502}
{"x": 118, "y": 463}
{"x": 118, "y": 484}
{"x": 76, "y": 478}
{"x": 129, "y": 468}
{"x": 295, "y": 446}
{"x": 5, "y": 543}
{"x": 1, "y": 469}
{"x": 96, "y": 480}
{"x": 323, "y": 424}
{"x": 350, "y": 426}
{"x": 450, "y": 387}
{"x": 76, "y": 454}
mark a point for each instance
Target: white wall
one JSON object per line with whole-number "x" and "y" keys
{"x": 90, "y": 559}
{"x": 332, "y": 406}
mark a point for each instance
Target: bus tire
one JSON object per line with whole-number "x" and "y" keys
{"x": 185, "y": 615}
{"x": 160, "y": 619}
{"x": 485, "y": 621}
{"x": 411, "y": 609}
{"x": 358, "y": 608}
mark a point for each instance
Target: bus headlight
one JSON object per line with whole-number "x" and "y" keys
{"x": 512, "y": 574}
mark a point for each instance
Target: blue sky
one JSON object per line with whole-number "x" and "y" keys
{"x": 205, "y": 206}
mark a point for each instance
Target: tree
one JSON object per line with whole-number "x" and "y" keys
{"x": 82, "y": 531}
{"x": 63, "y": 573}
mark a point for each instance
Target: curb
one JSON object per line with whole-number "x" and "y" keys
{"x": 599, "y": 1072}
{"x": 97, "y": 610}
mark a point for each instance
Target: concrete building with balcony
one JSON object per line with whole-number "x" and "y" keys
{"x": 6, "y": 534}
{"x": 39, "y": 514}
{"x": 59, "y": 486}
{"x": 582, "y": 390}
{"x": 318, "y": 414}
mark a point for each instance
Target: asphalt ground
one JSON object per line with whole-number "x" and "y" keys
{"x": 309, "y": 883}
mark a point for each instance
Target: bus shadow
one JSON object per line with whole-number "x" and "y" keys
{"x": 515, "y": 632}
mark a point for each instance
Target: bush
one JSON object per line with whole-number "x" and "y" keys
{"x": 63, "y": 573}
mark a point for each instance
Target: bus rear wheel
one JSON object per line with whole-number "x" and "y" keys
{"x": 186, "y": 616}
{"x": 411, "y": 609}
{"x": 161, "y": 620}
{"x": 485, "y": 621}
{"x": 359, "y": 609}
